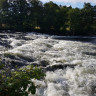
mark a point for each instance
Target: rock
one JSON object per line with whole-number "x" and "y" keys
{"x": 9, "y": 55}
{"x": 55, "y": 67}
{"x": 5, "y": 43}
{"x": 44, "y": 63}
{"x": 35, "y": 64}
{"x": 29, "y": 59}
{"x": 17, "y": 63}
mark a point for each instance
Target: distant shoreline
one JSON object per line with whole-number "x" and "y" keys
{"x": 58, "y": 33}
{"x": 50, "y": 33}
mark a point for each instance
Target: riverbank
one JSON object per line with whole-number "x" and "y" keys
{"x": 51, "y": 32}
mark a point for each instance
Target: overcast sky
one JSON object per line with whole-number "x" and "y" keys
{"x": 73, "y": 3}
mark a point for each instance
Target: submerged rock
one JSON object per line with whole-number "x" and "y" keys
{"x": 44, "y": 63}
{"x": 55, "y": 67}
{"x": 18, "y": 63}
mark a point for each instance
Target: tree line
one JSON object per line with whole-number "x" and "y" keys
{"x": 29, "y": 15}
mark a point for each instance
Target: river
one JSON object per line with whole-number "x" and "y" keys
{"x": 70, "y": 62}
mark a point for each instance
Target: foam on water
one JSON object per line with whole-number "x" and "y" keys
{"x": 78, "y": 81}
{"x": 15, "y": 43}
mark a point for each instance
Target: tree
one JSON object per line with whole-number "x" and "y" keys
{"x": 4, "y": 12}
{"x": 61, "y": 18}
{"x": 87, "y": 16}
{"x": 49, "y": 16}
{"x": 18, "y": 13}
{"x": 75, "y": 21}
{"x": 36, "y": 12}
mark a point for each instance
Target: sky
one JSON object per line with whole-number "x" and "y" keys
{"x": 73, "y": 3}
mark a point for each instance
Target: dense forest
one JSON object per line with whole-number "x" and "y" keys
{"x": 33, "y": 15}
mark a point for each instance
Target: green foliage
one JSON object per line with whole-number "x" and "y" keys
{"x": 33, "y": 14}
{"x": 75, "y": 20}
{"x": 18, "y": 82}
{"x": 50, "y": 14}
{"x": 87, "y": 16}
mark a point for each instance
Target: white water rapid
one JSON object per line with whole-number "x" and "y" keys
{"x": 79, "y": 80}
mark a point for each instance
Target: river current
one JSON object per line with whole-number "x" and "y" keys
{"x": 70, "y": 62}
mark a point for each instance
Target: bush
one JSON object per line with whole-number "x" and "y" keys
{"x": 18, "y": 82}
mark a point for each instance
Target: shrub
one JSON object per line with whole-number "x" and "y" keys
{"x": 18, "y": 82}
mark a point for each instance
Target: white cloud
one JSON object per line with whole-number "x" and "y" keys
{"x": 71, "y": 1}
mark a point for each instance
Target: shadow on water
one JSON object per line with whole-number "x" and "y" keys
{"x": 90, "y": 53}
{"x": 76, "y": 38}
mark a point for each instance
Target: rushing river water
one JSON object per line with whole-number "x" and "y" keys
{"x": 70, "y": 62}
